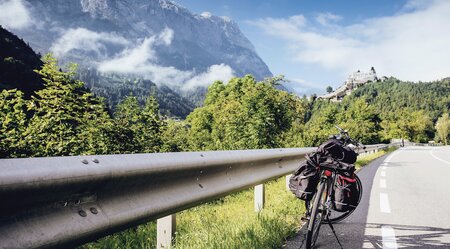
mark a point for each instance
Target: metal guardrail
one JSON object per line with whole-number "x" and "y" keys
{"x": 67, "y": 201}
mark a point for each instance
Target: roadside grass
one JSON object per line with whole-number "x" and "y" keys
{"x": 228, "y": 223}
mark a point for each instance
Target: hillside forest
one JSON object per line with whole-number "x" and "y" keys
{"x": 64, "y": 118}
{"x": 47, "y": 111}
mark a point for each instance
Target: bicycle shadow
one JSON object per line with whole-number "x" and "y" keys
{"x": 410, "y": 236}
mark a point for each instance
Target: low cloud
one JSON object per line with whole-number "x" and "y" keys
{"x": 86, "y": 40}
{"x": 142, "y": 60}
{"x": 220, "y": 72}
{"x": 14, "y": 14}
{"x": 411, "y": 45}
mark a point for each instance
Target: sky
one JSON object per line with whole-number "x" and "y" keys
{"x": 318, "y": 43}
{"x": 313, "y": 43}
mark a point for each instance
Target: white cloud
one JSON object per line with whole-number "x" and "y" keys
{"x": 411, "y": 45}
{"x": 206, "y": 14}
{"x": 14, "y": 14}
{"x": 274, "y": 26}
{"x": 142, "y": 60}
{"x": 165, "y": 37}
{"x": 327, "y": 18}
{"x": 220, "y": 72}
{"x": 86, "y": 40}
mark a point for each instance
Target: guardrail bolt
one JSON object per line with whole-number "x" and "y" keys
{"x": 85, "y": 161}
{"x": 94, "y": 210}
{"x": 95, "y": 160}
{"x": 82, "y": 213}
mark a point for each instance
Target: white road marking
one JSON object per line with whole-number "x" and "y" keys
{"x": 384, "y": 203}
{"x": 440, "y": 159}
{"x": 389, "y": 240}
{"x": 382, "y": 183}
{"x": 383, "y": 173}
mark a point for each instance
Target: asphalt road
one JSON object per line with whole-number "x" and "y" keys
{"x": 406, "y": 204}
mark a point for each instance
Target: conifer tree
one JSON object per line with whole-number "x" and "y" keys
{"x": 65, "y": 115}
{"x": 13, "y": 122}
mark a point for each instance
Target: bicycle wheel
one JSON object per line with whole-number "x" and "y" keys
{"x": 316, "y": 215}
{"x": 336, "y": 216}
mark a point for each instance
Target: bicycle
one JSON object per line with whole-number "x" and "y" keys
{"x": 322, "y": 202}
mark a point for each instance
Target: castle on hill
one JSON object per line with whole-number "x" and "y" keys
{"x": 353, "y": 81}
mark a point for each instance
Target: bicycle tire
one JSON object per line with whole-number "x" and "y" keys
{"x": 336, "y": 216}
{"x": 316, "y": 215}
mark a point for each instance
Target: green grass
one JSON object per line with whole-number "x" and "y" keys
{"x": 229, "y": 222}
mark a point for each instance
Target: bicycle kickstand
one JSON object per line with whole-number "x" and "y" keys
{"x": 334, "y": 232}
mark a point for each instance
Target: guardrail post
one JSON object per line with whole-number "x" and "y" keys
{"x": 259, "y": 197}
{"x": 165, "y": 231}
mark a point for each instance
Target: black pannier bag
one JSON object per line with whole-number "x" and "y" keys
{"x": 334, "y": 148}
{"x": 304, "y": 181}
{"x": 345, "y": 193}
{"x": 350, "y": 155}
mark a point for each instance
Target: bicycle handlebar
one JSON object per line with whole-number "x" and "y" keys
{"x": 348, "y": 139}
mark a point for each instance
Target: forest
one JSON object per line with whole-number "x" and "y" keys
{"x": 64, "y": 118}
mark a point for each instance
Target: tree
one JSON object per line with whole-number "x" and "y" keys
{"x": 151, "y": 134}
{"x": 13, "y": 122}
{"x": 329, "y": 89}
{"x": 321, "y": 125}
{"x": 361, "y": 120}
{"x": 175, "y": 136}
{"x": 408, "y": 124}
{"x": 443, "y": 128}
{"x": 244, "y": 114}
{"x": 66, "y": 116}
{"x": 141, "y": 127}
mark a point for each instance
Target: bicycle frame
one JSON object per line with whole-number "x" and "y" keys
{"x": 330, "y": 178}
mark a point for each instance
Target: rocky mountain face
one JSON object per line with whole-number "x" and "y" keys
{"x": 156, "y": 40}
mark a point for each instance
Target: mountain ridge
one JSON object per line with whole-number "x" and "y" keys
{"x": 156, "y": 41}
{"x": 199, "y": 40}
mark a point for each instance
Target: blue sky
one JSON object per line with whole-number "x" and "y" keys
{"x": 318, "y": 43}
{"x": 314, "y": 43}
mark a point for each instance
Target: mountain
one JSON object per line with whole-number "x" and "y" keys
{"x": 114, "y": 88}
{"x": 155, "y": 40}
{"x": 17, "y": 62}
